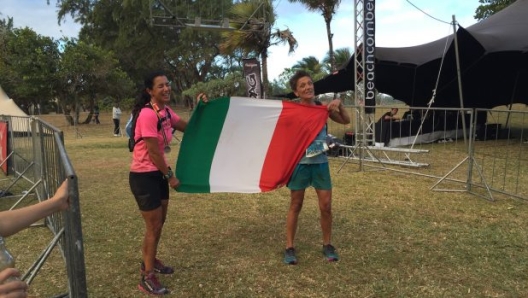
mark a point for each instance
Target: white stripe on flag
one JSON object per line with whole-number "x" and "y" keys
{"x": 243, "y": 144}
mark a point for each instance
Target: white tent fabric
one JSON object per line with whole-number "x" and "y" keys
{"x": 8, "y": 107}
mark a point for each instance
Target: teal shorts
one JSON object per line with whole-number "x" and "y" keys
{"x": 316, "y": 175}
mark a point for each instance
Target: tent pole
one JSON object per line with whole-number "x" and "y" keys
{"x": 460, "y": 94}
{"x": 512, "y": 99}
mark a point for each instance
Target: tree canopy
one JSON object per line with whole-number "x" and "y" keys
{"x": 141, "y": 45}
{"x": 41, "y": 72}
{"x": 490, "y": 7}
{"x": 254, "y": 34}
{"x": 117, "y": 45}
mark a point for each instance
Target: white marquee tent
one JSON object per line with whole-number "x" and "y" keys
{"x": 8, "y": 107}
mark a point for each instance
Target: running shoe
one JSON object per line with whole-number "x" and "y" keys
{"x": 289, "y": 256}
{"x": 330, "y": 253}
{"x": 149, "y": 284}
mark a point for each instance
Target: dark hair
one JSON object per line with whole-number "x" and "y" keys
{"x": 299, "y": 74}
{"x": 148, "y": 83}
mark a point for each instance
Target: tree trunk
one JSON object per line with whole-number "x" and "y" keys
{"x": 77, "y": 112}
{"x": 330, "y": 45}
{"x": 88, "y": 119}
{"x": 265, "y": 84}
{"x": 67, "y": 116}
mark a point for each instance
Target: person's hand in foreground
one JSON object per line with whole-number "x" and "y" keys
{"x": 14, "y": 288}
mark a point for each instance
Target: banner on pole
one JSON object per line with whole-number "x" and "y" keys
{"x": 252, "y": 77}
{"x": 3, "y": 146}
{"x": 369, "y": 57}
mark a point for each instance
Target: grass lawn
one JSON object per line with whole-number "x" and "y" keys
{"x": 396, "y": 238}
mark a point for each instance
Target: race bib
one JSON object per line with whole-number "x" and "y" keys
{"x": 316, "y": 148}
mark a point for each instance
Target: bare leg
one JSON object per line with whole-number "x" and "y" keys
{"x": 154, "y": 224}
{"x": 325, "y": 207}
{"x": 164, "y": 208}
{"x": 297, "y": 198}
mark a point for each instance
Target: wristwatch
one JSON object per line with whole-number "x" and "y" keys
{"x": 168, "y": 175}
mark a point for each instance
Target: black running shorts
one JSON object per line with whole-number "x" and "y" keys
{"x": 149, "y": 189}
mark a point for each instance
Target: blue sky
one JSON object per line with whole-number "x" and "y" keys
{"x": 398, "y": 24}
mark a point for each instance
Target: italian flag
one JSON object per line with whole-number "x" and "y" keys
{"x": 245, "y": 145}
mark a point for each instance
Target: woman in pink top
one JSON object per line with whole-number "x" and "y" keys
{"x": 150, "y": 176}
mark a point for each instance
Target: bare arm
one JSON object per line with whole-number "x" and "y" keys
{"x": 338, "y": 113}
{"x": 13, "y": 221}
{"x": 157, "y": 159}
{"x": 181, "y": 125}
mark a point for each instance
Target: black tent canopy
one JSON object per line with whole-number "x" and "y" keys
{"x": 493, "y": 57}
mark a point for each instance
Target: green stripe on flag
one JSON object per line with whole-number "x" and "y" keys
{"x": 199, "y": 144}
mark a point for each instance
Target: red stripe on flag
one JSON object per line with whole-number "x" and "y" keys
{"x": 297, "y": 127}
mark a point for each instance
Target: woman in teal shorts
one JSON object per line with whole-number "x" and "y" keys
{"x": 312, "y": 170}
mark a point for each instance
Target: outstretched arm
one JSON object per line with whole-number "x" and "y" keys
{"x": 12, "y": 221}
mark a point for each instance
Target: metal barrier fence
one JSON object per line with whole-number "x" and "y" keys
{"x": 37, "y": 163}
{"x": 481, "y": 151}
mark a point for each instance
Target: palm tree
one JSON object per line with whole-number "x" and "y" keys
{"x": 341, "y": 56}
{"x": 312, "y": 66}
{"x": 327, "y": 9}
{"x": 253, "y": 21}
